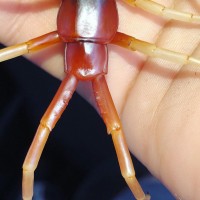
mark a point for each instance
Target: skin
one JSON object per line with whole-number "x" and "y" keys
{"x": 158, "y": 100}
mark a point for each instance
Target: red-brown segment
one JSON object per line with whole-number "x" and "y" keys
{"x": 43, "y": 41}
{"x": 88, "y": 20}
{"x": 86, "y": 60}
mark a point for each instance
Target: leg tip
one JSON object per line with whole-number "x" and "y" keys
{"x": 147, "y": 197}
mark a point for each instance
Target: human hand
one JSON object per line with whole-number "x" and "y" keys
{"x": 157, "y": 100}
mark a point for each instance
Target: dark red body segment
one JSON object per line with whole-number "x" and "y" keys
{"x": 86, "y": 28}
{"x": 88, "y": 20}
{"x": 86, "y": 60}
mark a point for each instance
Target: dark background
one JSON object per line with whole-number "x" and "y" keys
{"x": 78, "y": 161}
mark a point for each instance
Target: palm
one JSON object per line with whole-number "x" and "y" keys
{"x": 157, "y": 100}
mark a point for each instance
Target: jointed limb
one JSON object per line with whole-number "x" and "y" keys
{"x": 113, "y": 124}
{"x": 152, "y": 50}
{"x": 48, "y": 121}
{"x": 29, "y": 46}
{"x": 158, "y": 9}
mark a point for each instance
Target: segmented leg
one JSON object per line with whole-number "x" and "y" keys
{"x": 29, "y": 46}
{"x": 113, "y": 124}
{"x": 158, "y": 9}
{"x": 47, "y": 123}
{"x": 152, "y": 50}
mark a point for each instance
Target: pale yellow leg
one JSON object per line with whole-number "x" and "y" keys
{"x": 152, "y": 50}
{"x": 126, "y": 165}
{"x": 158, "y": 9}
{"x": 29, "y": 46}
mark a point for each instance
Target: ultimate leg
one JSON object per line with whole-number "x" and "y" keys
{"x": 113, "y": 124}
{"x": 47, "y": 123}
